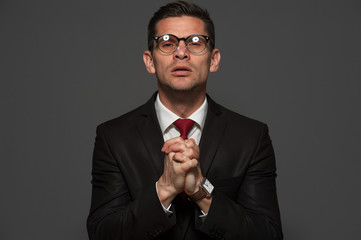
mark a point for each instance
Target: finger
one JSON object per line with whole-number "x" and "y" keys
{"x": 191, "y": 140}
{"x": 194, "y": 153}
{"x": 169, "y": 158}
{"x": 191, "y": 153}
{"x": 190, "y": 164}
{"x": 195, "y": 167}
{"x": 191, "y": 143}
{"x": 190, "y": 183}
{"x": 171, "y": 142}
{"x": 180, "y": 158}
{"x": 177, "y": 147}
{"x": 185, "y": 167}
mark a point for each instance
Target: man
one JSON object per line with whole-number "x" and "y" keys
{"x": 210, "y": 175}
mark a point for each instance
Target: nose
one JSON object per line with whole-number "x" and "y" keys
{"x": 181, "y": 52}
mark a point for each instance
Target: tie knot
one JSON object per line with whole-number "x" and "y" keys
{"x": 184, "y": 125}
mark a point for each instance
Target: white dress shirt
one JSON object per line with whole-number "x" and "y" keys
{"x": 166, "y": 118}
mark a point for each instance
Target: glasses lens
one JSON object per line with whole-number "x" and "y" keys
{"x": 167, "y": 43}
{"x": 196, "y": 43}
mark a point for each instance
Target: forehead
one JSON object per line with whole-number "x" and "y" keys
{"x": 181, "y": 26}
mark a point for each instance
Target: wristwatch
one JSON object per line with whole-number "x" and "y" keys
{"x": 205, "y": 191}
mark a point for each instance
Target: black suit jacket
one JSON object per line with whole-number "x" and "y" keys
{"x": 236, "y": 155}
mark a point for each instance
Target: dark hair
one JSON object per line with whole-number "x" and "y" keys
{"x": 178, "y": 9}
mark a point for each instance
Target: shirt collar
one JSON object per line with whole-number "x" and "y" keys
{"x": 167, "y": 117}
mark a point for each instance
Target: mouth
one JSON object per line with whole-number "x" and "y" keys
{"x": 181, "y": 70}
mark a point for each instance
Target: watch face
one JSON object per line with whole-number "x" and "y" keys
{"x": 208, "y": 186}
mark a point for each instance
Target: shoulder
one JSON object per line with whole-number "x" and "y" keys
{"x": 125, "y": 118}
{"x": 129, "y": 120}
{"x": 245, "y": 129}
{"x": 242, "y": 120}
{"x": 236, "y": 121}
{"x": 123, "y": 125}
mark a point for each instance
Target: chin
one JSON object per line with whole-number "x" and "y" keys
{"x": 183, "y": 88}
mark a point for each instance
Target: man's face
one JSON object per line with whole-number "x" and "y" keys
{"x": 181, "y": 70}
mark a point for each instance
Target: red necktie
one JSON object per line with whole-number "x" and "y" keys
{"x": 184, "y": 125}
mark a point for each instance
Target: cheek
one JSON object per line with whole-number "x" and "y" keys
{"x": 160, "y": 71}
{"x": 160, "y": 66}
{"x": 205, "y": 64}
{"x": 204, "y": 70}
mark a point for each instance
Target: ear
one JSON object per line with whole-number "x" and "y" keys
{"x": 148, "y": 61}
{"x": 215, "y": 59}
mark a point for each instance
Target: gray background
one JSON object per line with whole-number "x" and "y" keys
{"x": 67, "y": 66}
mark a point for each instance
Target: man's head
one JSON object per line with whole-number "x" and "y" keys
{"x": 178, "y": 9}
{"x": 182, "y": 53}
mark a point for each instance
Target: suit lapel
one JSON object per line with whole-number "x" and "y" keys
{"x": 211, "y": 135}
{"x": 151, "y": 134}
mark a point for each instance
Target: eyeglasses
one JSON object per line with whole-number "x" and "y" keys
{"x": 195, "y": 43}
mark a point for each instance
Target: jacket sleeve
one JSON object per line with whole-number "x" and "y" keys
{"x": 113, "y": 213}
{"x": 254, "y": 212}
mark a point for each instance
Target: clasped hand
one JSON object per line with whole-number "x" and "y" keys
{"x": 181, "y": 169}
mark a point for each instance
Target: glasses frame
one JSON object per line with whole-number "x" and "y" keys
{"x": 156, "y": 38}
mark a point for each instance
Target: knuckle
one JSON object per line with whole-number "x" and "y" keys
{"x": 191, "y": 153}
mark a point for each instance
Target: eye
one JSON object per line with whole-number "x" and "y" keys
{"x": 195, "y": 43}
{"x": 167, "y": 44}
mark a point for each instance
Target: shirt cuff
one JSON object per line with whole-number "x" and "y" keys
{"x": 166, "y": 210}
{"x": 203, "y": 216}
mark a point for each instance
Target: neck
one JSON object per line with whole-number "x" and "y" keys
{"x": 182, "y": 103}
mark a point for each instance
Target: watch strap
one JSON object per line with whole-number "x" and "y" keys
{"x": 201, "y": 193}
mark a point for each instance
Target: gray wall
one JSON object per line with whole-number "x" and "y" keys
{"x": 67, "y": 66}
